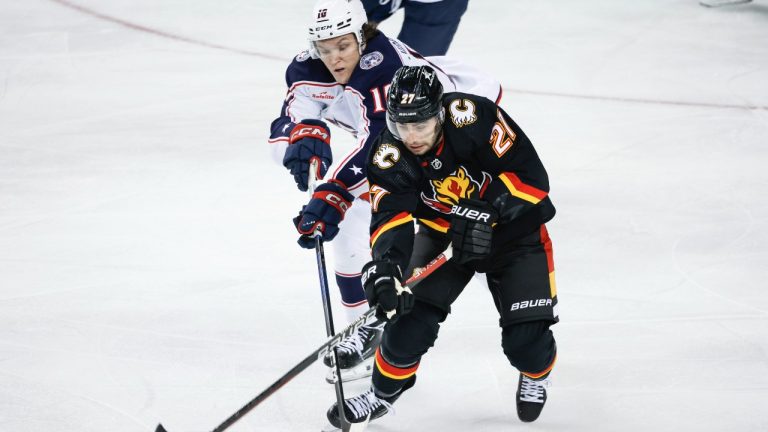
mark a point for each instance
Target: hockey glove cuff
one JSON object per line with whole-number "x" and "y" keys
{"x": 322, "y": 214}
{"x": 472, "y": 229}
{"x": 381, "y": 280}
{"x": 309, "y": 141}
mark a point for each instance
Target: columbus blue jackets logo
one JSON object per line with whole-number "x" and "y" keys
{"x": 302, "y": 56}
{"x": 457, "y": 185}
{"x": 371, "y": 60}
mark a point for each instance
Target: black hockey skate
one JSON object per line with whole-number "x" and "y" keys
{"x": 355, "y": 353}
{"x": 531, "y": 396}
{"x": 366, "y": 407}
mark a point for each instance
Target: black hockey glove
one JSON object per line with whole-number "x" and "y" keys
{"x": 472, "y": 229}
{"x": 310, "y": 141}
{"x": 323, "y": 213}
{"x": 381, "y": 280}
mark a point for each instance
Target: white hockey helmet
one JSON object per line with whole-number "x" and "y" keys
{"x": 334, "y": 18}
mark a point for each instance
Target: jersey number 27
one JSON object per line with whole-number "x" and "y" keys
{"x": 502, "y": 136}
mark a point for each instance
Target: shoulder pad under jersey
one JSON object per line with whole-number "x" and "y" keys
{"x": 377, "y": 65}
{"x": 469, "y": 119}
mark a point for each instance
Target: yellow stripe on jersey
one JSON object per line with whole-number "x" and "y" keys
{"x": 521, "y": 190}
{"x": 437, "y": 224}
{"x": 399, "y": 219}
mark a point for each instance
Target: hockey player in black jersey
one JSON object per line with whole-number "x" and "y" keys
{"x": 460, "y": 167}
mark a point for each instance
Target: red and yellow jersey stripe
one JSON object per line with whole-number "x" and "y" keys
{"x": 521, "y": 190}
{"x": 438, "y": 224}
{"x": 399, "y": 219}
{"x": 547, "y": 242}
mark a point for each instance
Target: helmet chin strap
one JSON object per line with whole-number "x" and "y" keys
{"x": 439, "y": 127}
{"x": 361, "y": 45}
{"x": 438, "y": 137}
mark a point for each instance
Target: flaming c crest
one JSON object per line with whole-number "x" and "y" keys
{"x": 454, "y": 187}
{"x": 448, "y": 191}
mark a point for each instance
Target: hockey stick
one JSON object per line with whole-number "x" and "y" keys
{"x": 719, "y": 3}
{"x": 312, "y": 178}
{"x": 418, "y": 276}
{"x": 346, "y": 426}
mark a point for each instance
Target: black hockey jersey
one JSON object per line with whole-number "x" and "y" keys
{"x": 483, "y": 154}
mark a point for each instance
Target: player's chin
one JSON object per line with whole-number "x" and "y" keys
{"x": 341, "y": 77}
{"x": 418, "y": 149}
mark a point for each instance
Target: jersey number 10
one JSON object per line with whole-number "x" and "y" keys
{"x": 379, "y": 96}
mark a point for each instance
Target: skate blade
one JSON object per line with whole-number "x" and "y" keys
{"x": 363, "y": 370}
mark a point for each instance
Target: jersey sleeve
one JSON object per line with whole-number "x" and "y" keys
{"x": 394, "y": 177}
{"x": 520, "y": 181}
{"x": 304, "y": 77}
{"x": 367, "y": 125}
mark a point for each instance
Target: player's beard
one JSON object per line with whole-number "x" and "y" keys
{"x": 422, "y": 147}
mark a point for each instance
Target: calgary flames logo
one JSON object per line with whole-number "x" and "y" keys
{"x": 448, "y": 191}
{"x": 462, "y": 112}
{"x": 386, "y": 156}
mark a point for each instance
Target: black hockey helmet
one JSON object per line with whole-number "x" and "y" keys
{"x": 415, "y": 95}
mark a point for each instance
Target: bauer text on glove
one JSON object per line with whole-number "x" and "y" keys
{"x": 471, "y": 229}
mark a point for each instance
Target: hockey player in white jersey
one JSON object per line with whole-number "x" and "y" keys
{"x": 342, "y": 79}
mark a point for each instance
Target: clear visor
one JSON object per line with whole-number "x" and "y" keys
{"x": 416, "y": 131}
{"x": 336, "y": 46}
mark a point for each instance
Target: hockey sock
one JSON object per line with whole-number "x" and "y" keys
{"x": 388, "y": 378}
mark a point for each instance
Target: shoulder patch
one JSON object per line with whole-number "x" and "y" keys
{"x": 304, "y": 55}
{"x": 386, "y": 156}
{"x": 462, "y": 112}
{"x": 371, "y": 60}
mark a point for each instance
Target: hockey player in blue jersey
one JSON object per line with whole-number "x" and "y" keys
{"x": 428, "y": 25}
{"x": 342, "y": 79}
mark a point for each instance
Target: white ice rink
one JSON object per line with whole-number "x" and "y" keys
{"x": 148, "y": 265}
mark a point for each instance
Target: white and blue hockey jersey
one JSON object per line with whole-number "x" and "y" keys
{"x": 360, "y": 106}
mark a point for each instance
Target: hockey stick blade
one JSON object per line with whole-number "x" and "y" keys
{"x": 296, "y": 370}
{"x": 721, "y": 3}
{"x": 329, "y": 344}
{"x": 360, "y": 427}
{"x": 354, "y": 427}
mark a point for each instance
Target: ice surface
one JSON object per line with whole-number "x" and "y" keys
{"x": 148, "y": 269}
